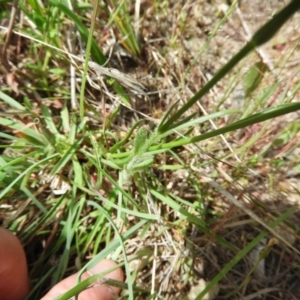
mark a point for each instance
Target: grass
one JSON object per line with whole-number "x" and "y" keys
{"x": 94, "y": 169}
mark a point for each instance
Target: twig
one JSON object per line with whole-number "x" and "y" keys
{"x": 10, "y": 26}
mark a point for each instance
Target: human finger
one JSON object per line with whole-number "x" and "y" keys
{"x": 14, "y": 283}
{"x": 97, "y": 292}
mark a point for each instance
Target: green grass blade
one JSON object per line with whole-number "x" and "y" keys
{"x": 256, "y": 118}
{"x": 11, "y": 102}
{"x": 96, "y": 53}
{"x": 32, "y": 136}
{"x": 102, "y": 255}
{"x": 260, "y": 37}
{"x": 41, "y": 162}
{"x": 66, "y": 157}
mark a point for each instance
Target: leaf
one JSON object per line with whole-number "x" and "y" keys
{"x": 142, "y": 162}
{"x": 140, "y": 140}
{"x": 254, "y": 77}
{"x": 261, "y": 116}
{"x": 12, "y": 102}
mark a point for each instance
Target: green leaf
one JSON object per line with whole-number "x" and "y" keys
{"x": 47, "y": 115}
{"x": 66, "y": 157}
{"x": 264, "y": 115}
{"x": 122, "y": 142}
{"x": 28, "y": 134}
{"x": 11, "y": 102}
{"x": 140, "y": 140}
{"x": 254, "y": 77}
{"x": 143, "y": 163}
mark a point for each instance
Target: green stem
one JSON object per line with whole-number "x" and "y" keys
{"x": 260, "y": 37}
{"x": 86, "y": 65}
{"x": 256, "y": 118}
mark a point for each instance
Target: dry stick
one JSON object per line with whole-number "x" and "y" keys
{"x": 263, "y": 292}
{"x": 71, "y": 42}
{"x": 153, "y": 270}
{"x": 21, "y": 25}
{"x": 72, "y": 77}
{"x": 10, "y": 26}
{"x": 137, "y": 10}
{"x": 240, "y": 205}
{"x": 3, "y": 57}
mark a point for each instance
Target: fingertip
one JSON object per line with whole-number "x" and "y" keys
{"x": 116, "y": 274}
{"x": 14, "y": 282}
{"x": 98, "y": 291}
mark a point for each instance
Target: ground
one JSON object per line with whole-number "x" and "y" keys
{"x": 230, "y": 189}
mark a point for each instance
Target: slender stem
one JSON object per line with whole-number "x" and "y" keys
{"x": 260, "y": 37}
{"x": 256, "y": 118}
{"x": 87, "y": 58}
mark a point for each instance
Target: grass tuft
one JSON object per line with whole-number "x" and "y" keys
{"x": 157, "y": 135}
